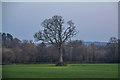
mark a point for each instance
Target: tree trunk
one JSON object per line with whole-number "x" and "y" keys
{"x": 60, "y": 63}
{"x": 60, "y": 55}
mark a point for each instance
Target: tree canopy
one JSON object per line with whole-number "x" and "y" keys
{"x": 55, "y": 32}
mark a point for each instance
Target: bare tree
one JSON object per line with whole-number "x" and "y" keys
{"x": 113, "y": 46}
{"x": 55, "y": 33}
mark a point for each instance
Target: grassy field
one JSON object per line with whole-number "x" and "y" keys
{"x": 51, "y": 71}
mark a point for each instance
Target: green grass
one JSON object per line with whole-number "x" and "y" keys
{"x": 51, "y": 71}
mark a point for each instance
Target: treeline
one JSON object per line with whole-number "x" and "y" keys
{"x": 15, "y": 51}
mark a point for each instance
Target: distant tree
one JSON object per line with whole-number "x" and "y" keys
{"x": 42, "y": 52}
{"x": 30, "y": 51}
{"x": 7, "y": 40}
{"x": 0, "y": 40}
{"x": 119, "y": 49}
{"x": 16, "y": 43}
{"x": 3, "y": 36}
{"x": 9, "y": 37}
{"x": 8, "y": 56}
{"x": 113, "y": 48}
{"x": 55, "y": 33}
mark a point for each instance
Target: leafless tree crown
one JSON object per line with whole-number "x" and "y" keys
{"x": 54, "y": 32}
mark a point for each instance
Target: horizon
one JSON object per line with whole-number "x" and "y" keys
{"x": 67, "y": 41}
{"x": 95, "y": 21}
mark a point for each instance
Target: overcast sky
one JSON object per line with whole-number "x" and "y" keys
{"x": 95, "y": 21}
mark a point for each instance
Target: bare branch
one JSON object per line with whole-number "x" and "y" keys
{"x": 54, "y": 32}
